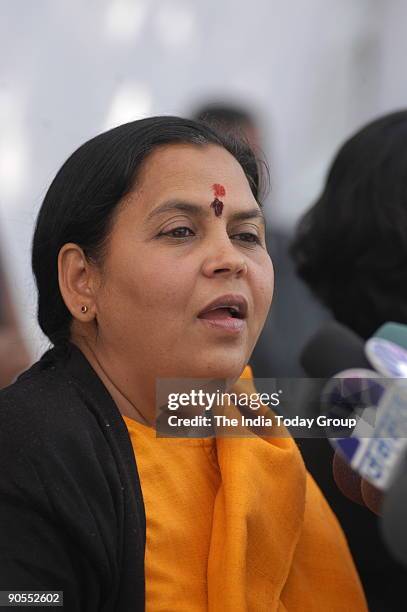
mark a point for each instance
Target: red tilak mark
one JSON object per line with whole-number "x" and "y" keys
{"x": 218, "y": 190}
{"x": 217, "y": 205}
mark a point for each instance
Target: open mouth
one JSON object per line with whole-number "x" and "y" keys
{"x": 226, "y": 306}
{"x": 221, "y": 313}
{"x": 226, "y": 313}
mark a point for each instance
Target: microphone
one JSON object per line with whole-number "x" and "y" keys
{"x": 352, "y": 486}
{"x": 331, "y": 349}
{"x": 393, "y": 505}
{"x": 387, "y": 358}
{"x": 393, "y": 523}
{"x": 377, "y": 457}
{"x": 393, "y": 332}
{"x": 385, "y": 452}
{"x": 373, "y": 451}
{"x": 370, "y": 456}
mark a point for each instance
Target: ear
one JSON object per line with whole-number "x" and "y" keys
{"x": 77, "y": 282}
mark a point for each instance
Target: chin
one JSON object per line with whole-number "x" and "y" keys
{"x": 226, "y": 368}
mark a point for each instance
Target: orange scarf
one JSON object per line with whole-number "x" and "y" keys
{"x": 237, "y": 525}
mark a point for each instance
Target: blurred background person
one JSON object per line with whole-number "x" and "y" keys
{"x": 351, "y": 250}
{"x": 295, "y": 314}
{"x": 14, "y": 356}
{"x": 351, "y": 246}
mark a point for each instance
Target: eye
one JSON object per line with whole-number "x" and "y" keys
{"x": 247, "y": 237}
{"x": 178, "y": 232}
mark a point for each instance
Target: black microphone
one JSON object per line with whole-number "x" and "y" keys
{"x": 331, "y": 349}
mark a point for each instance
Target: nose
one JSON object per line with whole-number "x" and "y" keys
{"x": 224, "y": 259}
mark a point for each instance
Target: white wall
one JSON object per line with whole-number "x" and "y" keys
{"x": 314, "y": 69}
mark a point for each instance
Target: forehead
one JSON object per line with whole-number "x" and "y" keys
{"x": 190, "y": 171}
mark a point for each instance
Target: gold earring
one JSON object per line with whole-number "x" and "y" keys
{"x": 84, "y": 309}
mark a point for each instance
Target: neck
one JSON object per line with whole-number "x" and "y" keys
{"x": 129, "y": 406}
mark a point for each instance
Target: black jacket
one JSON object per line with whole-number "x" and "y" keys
{"x": 71, "y": 510}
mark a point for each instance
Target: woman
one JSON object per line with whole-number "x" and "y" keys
{"x": 146, "y": 234}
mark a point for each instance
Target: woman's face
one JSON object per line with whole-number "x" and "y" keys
{"x": 169, "y": 256}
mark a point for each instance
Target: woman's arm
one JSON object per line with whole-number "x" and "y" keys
{"x": 35, "y": 552}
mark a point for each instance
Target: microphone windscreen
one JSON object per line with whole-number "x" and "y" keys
{"x": 331, "y": 349}
{"x": 394, "y": 332}
{"x": 372, "y": 497}
{"x": 347, "y": 481}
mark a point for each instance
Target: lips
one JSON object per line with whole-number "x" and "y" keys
{"x": 225, "y": 307}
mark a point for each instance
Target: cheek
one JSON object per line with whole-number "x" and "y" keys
{"x": 264, "y": 285}
{"x": 147, "y": 285}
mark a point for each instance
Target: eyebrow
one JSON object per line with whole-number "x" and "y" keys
{"x": 200, "y": 211}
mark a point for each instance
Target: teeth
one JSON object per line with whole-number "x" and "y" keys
{"x": 226, "y": 306}
{"x": 231, "y": 309}
{"x": 234, "y": 310}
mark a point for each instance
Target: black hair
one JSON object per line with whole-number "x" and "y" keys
{"x": 351, "y": 246}
{"x": 80, "y": 204}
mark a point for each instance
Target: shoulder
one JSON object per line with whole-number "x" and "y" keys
{"x": 44, "y": 420}
{"x": 40, "y": 401}
{"x": 61, "y": 418}
{"x": 61, "y": 493}
{"x": 51, "y": 445}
